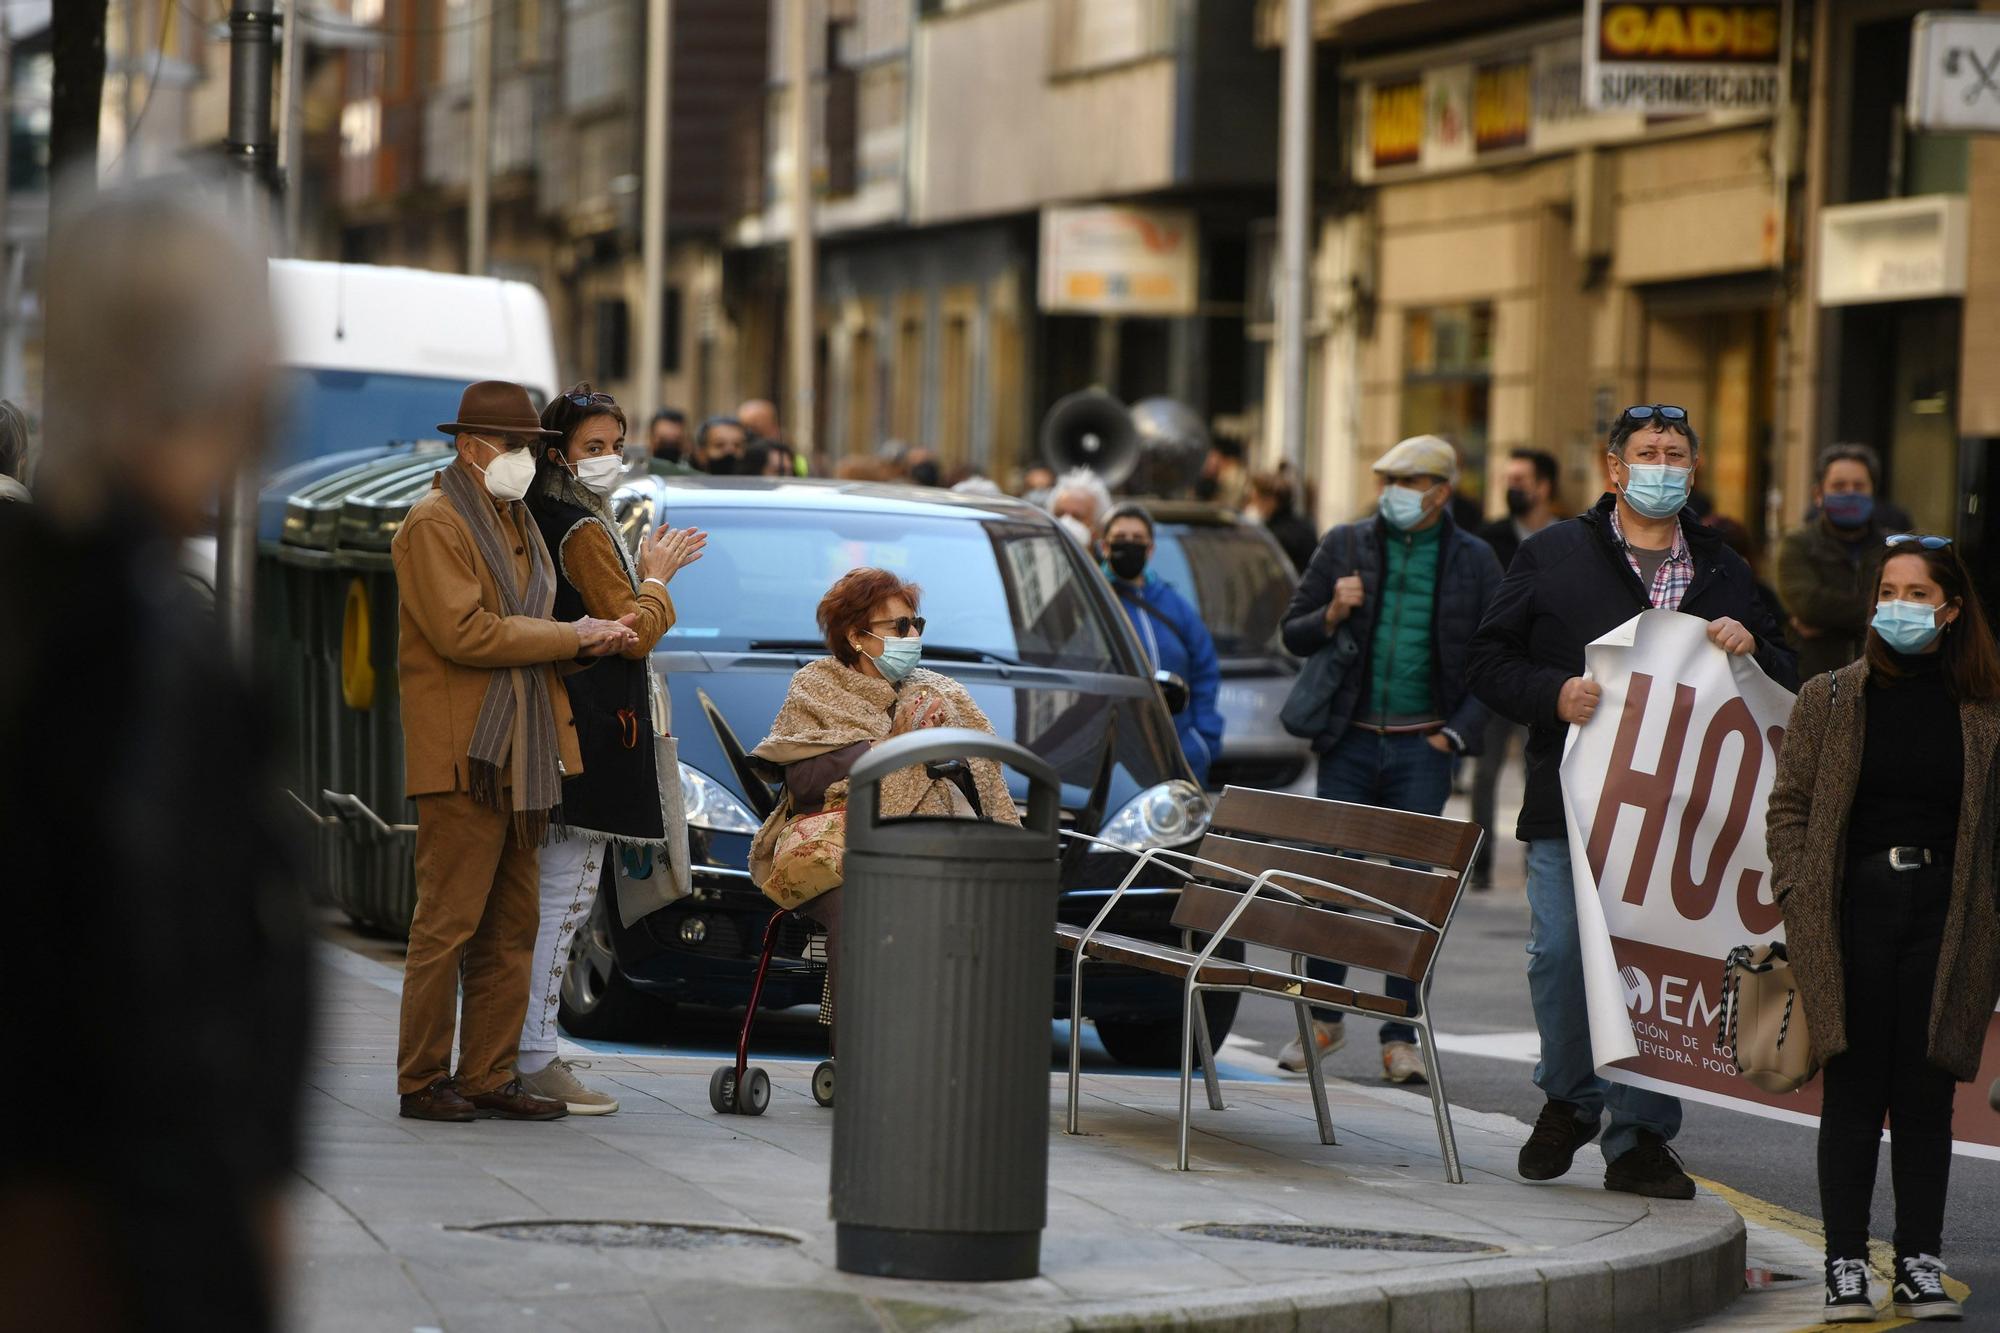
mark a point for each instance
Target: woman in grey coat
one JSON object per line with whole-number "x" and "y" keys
{"x": 1882, "y": 826}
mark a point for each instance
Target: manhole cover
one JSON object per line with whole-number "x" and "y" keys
{"x": 1339, "y": 1238}
{"x": 636, "y": 1235}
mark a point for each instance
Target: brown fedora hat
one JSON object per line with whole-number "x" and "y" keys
{"x": 495, "y": 407}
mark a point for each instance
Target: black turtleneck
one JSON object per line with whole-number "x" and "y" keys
{"x": 1912, "y": 761}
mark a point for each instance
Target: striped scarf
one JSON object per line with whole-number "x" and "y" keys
{"x": 516, "y": 714}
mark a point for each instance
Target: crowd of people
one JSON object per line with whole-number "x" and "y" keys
{"x": 526, "y": 630}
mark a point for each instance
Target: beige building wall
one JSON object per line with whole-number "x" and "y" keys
{"x": 1003, "y": 127}
{"x": 1641, "y": 272}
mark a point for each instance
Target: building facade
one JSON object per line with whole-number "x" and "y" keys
{"x": 953, "y": 142}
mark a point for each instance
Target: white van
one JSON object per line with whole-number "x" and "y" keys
{"x": 368, "y": 355}
{"x": 371, "y": 356}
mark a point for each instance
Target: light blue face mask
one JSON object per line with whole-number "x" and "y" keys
{"x": 1908, "y": 627}
{"x": 1401, "y": 508}
{"x": 1657, "y": 490}
{"x": 899, "y": 657}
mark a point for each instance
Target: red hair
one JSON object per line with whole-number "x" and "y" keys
{"x": 850, "y": 603}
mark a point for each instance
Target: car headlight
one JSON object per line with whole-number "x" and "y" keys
{"x": 1173, "y": 812}
{"x": 712, "y": 806}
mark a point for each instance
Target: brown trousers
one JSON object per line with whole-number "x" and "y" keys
{"x": 477, "y": 908}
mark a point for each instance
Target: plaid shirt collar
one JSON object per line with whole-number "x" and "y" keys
{"x": 1676, "y": 572}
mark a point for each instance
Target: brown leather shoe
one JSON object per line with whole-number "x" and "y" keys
{"x": 511, "y": 1101}
{"x": 440, "y": 1101}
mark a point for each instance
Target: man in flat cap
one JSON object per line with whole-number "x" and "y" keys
{"x": 1407, "y": 587}
{"x": 487, "y": 740}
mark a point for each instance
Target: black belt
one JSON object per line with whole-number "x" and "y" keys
{"x": 1909, "y": 858}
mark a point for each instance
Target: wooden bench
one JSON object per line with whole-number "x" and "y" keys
{"x": 1354, "y": 884}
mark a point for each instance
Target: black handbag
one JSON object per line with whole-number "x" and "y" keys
{"x": 1308, "y": 710}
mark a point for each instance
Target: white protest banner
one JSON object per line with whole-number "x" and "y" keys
{"x": 1664, "y": 793}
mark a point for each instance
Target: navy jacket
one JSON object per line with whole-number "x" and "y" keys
{"x": 1468, "y": 578}
{"x": 1175, "y": 640}
{"x": 1571, "y": 584}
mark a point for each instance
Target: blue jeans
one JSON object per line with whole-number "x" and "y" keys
{"x": 1397, "y": 773}
{"x": 1567, "y": 1072}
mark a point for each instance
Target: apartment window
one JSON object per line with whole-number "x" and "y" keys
{"x": 670, "y": 332}
{"x": 613, "y": 322}
{"x": 863, "y": 372}
{"x": 457, "y": 19}
{"x": 1448, "y": 382}
{"x": 954, "y": 432}
{"x": 597, "y": 64}
{"x": 1087, "y": 35}
{"x": 908, "y": 417}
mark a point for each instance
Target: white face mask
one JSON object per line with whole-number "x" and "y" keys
{"x": 509, "y": 476}
{"x": 600, "y": 474}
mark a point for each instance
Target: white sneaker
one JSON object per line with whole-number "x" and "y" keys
{"x": 556, "y": 1082}
{"x": 1918, "y": 1292}
{"x": 1329, "y": 1037}
{"x": 1401, "y": 1063}
{"x": 1847, "y": 1299}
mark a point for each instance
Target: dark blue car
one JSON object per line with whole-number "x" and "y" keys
{"x": 1016, "y": 613}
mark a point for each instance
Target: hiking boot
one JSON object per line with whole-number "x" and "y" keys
{"x": 557, "y": 1081}
{"x": 1559, "y": 1131}
{"x": 510, "y": 1101}
{"x": 1329, "y": 1037}
{"x": 1847, "y": 1292}
{"x": 440, "y": 1101}
{"x": 1652, "y": 1169}
{"x": 1919, "y": 1291}
{"x": 1401, "y": 1063}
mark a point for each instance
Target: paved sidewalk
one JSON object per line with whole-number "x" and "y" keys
{"x": 381, "y": 1238}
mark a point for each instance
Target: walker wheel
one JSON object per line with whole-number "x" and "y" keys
{"x": 823, "y": 1083}
{"x": 755, "y": 1094}
{"x": 722, "y": 1090}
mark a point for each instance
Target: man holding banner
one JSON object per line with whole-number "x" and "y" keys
{"x": 1570, "y": 584}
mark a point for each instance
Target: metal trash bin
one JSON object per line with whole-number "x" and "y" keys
{"x": 947, "y": 961}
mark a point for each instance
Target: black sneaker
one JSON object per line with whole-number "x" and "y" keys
{"x": 1559, "y": 1131}
{"x": 1919, "y": 1289}
{"x": 1652, "y": 1169}
{"x": 1847, "y": 1299}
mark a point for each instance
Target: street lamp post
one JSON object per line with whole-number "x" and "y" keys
{"x": 1294, "y": 214}
{"x": 249, "y": 151}
{"x": 804, "y": 276}
{"x": 653, "y": 208}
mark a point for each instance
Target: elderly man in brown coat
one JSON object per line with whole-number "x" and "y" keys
{"x": 487, "y": 739}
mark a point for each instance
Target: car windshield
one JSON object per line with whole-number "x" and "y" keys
{"x": 1234, "y": 576}
{"x": 994, "y": 589}
{"x": 327, "y": 411}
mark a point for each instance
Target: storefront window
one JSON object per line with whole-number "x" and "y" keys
{"x": 1448, "y": 382}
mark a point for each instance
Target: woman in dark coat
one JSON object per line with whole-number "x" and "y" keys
{"x": 1882, "y": 827}
{"x": 617, "y": 797}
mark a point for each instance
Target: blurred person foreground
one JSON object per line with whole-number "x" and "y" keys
{"x": 138, "y": 804}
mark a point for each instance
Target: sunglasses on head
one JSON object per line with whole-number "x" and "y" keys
{"x": 1647, "y": 411}
{"x": 1927, "y": 542}
{"x": 903, "y": 624}
{"x": 588, "y": 399}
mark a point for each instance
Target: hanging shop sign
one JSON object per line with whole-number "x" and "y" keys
{"x": 1675, "y": 59}
{"x": 1910, "y": 249}
{"x": 1955, "y": 73}
{"x": 1514, "y": 101}
{"x": 1119, "y": 261}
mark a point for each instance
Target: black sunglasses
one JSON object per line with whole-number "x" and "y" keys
{"x": 1646, "y": 412}
{"x": 588, "y": 399}
{"x": 1927, "y": 542}
{"x": 903, "y": 624}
